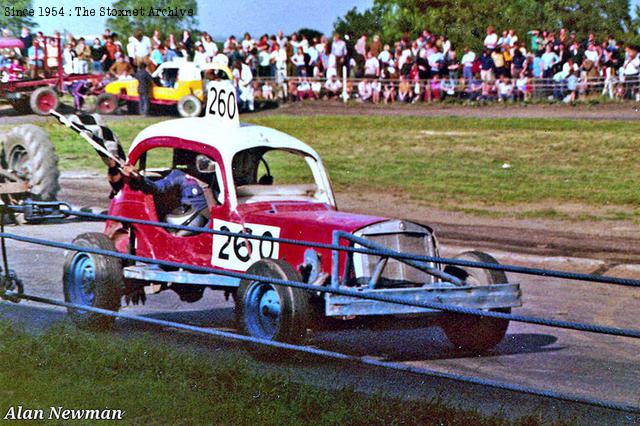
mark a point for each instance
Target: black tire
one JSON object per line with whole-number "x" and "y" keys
{"x": 43, "y": 100}
{"x": 295, "y": 310}
{"x": 29, "y": 152}
{"x": 21, "y": 105}
{"x": 470, "y": 332}
{"x": 189, "y": 106}
{"x": 106, "y": 103}
{"x": 106, "y": 285}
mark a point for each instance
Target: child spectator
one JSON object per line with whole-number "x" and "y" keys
{"x": 522, "y": 87}
{"x": 333, "y": 86}
{"x": 364, "y": 90}
{"x": 267, "y": 91}
{"x": 505, "y": 89}
{"x": 389, "y": 93}
{"x": 572, "y": 86}
{"x": 404, "y": 90}
{"x": 376, "y": 88}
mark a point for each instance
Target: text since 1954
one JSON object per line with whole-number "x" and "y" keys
{"x": 83, "y": 11}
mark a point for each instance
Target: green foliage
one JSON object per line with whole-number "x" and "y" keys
{"x": 15, "y": 23}
{"x": 309, "y": 33}
{"x": 126, "y": 25}
{"x": 357, "y": 23}
{"x": 464, "y": 22}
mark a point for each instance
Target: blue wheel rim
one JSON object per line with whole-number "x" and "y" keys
{"x": 262, "y": 310}
{"x": 81, "y": 280}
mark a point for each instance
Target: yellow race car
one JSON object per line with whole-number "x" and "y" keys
{"x": 175, "y": 83}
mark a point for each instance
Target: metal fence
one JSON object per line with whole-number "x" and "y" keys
{"x": 450, "y": 89}
{"x": 359, "y": 246}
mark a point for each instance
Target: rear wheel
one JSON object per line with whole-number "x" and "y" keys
{"x": 43, "y": 100}
{"x": 106, "y": 103}
{"x": 189, "y": 106}
{"x": 269, "y": 311}
{"x": 31, "y": 156}
{"x": 472, "y": 332}
{"x": 92, "y": 280}
{"x": 21, "y": 105}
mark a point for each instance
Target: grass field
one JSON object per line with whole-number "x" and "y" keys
{"x": 155, "y": 384}
{"x": 526, "y": 167}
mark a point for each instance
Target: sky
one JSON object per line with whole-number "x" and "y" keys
{"x": 223, "y": 17}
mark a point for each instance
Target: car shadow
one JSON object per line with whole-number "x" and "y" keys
{"x": 420, "y": 344}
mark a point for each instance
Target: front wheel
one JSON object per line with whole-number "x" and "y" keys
{"x": 269, "y": 311}
{"x": 92, "y": 280}
{"x": 43, "y": 100}
{"x": 189, "y": 106}
{"x": 471, "y": 332}
{"x": 106, "y": 103}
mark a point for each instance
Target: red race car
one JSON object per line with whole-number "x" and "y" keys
{"x": 263, "y": 182}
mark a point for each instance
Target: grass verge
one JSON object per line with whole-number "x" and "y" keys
{"x": 157, "y": 384}
{"x": 455, "y": 163}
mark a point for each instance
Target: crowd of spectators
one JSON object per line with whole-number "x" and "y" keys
{"x": 509, "y": 67}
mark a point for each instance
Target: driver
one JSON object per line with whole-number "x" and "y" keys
{"x": 179, "y": 194}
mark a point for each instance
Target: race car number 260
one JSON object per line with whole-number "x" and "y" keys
{"x": 237, "y": 253}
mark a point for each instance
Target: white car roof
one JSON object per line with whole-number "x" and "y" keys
{"x": 228, "y": 140}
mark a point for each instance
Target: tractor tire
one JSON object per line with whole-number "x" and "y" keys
{"x": 29, "y": 152}
{"x": 189, "y": 106}
{"x": 470, "y": 332}
{"x": 273, "y": 312}
{"x": 106, "y": 103}
{"x": 21, "y": 105}
{"x": 92, "y": 280}
{"x": 43, "y": 100}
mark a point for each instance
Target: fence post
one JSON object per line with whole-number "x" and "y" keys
{"x": 345, "y": 92}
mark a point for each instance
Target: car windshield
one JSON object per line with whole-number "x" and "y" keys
{"x": 266, "y": 174}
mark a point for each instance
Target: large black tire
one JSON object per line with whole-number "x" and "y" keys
{"x": 189, "y": 106}
{"x": 21, "y": 105}
{"x": 29, "y": 152}
{"x": 470, "y": 332}
{"x": 294, "y": 313}
{"x": 106, "y": 103}
{"x": 92, "y": 280}
{"x": 43, "y": 100}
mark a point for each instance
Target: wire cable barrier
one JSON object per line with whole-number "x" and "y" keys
{"x": 593, "y": 328}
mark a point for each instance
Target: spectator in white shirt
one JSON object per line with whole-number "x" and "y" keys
{"x": 333, "y": 86}
{"x": 200, "y": 57}
{"x": 491, "y": 40}
{"x": 339, "y": 51}
{"x": 364, "y": 90}
{"x": 141, "y": 48}
{"x": 248, "y": 43}
{"x": 210, "y": 46}
{"x": 371, "y": 66}
{"x": 385, "y": 56}
{"x": 467, "y": 64}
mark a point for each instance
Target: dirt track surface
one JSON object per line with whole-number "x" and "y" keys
{"x": 621, "y": 111}
{"x": 610, "y": 242}
{"x": 610, "y": 111}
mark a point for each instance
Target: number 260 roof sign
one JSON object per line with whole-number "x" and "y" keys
{"x": 222, "y": 105}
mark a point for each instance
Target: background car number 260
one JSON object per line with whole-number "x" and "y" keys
{"x": 239, "y": 253}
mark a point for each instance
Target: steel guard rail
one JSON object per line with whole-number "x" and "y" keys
{"x": 388, "y": 299}
{"x": 592, "y": 328}
{"x": 389, "y": 253}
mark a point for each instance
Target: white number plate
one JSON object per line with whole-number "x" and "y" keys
{"x": 239, "y": 253}
{"x": 222, "y": 105}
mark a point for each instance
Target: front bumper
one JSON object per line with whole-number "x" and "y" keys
{"x": 475, "y": 297}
